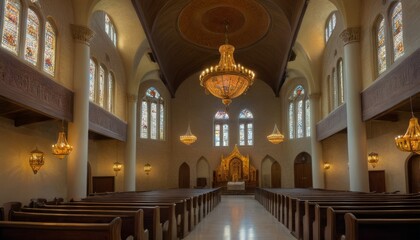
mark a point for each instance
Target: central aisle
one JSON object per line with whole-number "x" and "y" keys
{"x": 239, "y": 217}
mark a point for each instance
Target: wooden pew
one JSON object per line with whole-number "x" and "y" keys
{"x": 131, "y": 224}
{"x": 383, "y": 228}
{"x": 151, "y": 216}
{"x": 63, "y": 231}
{"x": 1, "y": 214}
{"x": 335, "y": 228}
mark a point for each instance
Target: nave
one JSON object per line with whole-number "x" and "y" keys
{"x": 239, "y": 217}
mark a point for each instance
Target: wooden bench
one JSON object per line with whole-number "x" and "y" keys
{"x": 335, "y": 228}
{"x": 131, "y": 224}
{"x": 63, "y": 231}
{"x": 383, "y": 228}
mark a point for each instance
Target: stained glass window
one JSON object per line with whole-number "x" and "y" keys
{"x": 329, "y": 28}
{"x": 299, "y": 113}
{"x": 291, "y": 120}
{"x": 49, "y": 50}
{"x": 110, "y": 93}
{"x": 152, "y": 115}
{"x": 110, "y": 30}
{"x": 340, "y": 81}
{"x": 101, "y": 86}
{"x": 32, "y": 37}
{"x": 397, "y": 31}
{"x": 307, "y": 118}
{"x": 380, "y": 45}
{"x": 246, "y": 128}
{"x": 92, "y": 78}
{"x": 299, "y": 120}
{"x": 221, "y": 129}
{"x": 11, "y": 21}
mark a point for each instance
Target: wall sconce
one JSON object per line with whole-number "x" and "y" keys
{"x": 327, "y": 166}
{"x": 117, "y": 167}
{"x": 373, "y": 159}
{"x": 36, "y": 160}
{"x": 147, "y": 168}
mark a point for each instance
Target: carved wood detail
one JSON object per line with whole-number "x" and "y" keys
{"x": 105, "y": 123}
{"x": 333, "y": 123}
{"x": 31, "y": 89}
{"x": 392, "y": 88}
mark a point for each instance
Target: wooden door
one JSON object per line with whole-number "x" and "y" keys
{"x": 184, "y": 176}
{"x": 303, "y": 170}
{"x": 102, "y": 184}
{"x": 275, "y": 175}
{"x": 413, "y": 172}
{"x": 377, "y": 181}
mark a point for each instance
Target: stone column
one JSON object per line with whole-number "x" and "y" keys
{"x": 317, "y": 163}
{"x": 130, "y": 151}
{"x": 356, "y": 131}
{"x": 78, "y": 129}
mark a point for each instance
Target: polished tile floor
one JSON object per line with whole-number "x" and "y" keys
{"x": 239, "y": 217}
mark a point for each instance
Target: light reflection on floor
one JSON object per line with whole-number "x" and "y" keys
{"x": 239, "y": 217}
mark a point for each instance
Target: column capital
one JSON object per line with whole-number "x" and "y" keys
{"x": 350, "y": 35}
{"x": 82, "y": 33}
{"x": 132, "y": 98}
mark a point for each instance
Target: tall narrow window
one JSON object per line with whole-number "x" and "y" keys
{"x": 246, "y": 131}
{"x": 380, "y": 45}
{"x": 335, "y": 88}
{"x": 299, "y": 114}
{"x": 110, "y": 30}
{"x": 397, "y": 31}
{"x": 49, "y": 49}
{"x": 11, "y": 21}
{"x": 32, "y": 37}
{"x": 110, "y": 92}
{"x": 221, "y": 129}
{"x": 152, "y": 123}
{"x": 340, "y": 81}
{"x": 92, "y": 80}
{"x": 330, "y": 26}
{"x": 101, "y": 86}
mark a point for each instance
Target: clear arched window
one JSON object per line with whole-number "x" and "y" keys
{"x": 397, "y": 30}
{"x": 221, "y": 129}
{"x": 340, "y": 81}
{"x": 299, "y": 114}
{"x": 246, "y": 128}
{"x": 330, "y": 26}
{"x": 380, "y": 44}
{"x": 11, "y": 22}
{"x": 110, "y": 29}
{"x": 152, "y": 119}
{"x": 92, "y": 80}
{"x": 32, "y": 37}
{"x": 49, "y": 48}
{"x": 110, "y": 92}
{"x": 101, "y": 86}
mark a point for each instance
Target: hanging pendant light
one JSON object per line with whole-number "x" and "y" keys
{"x": 410, "y": 142}
{"x": 36, "y": 160}
{"x": 188, "y": 138}
{"x": 276, "y": 137}
{"x": 62, "y": 148}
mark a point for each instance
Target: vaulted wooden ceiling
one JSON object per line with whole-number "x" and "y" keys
{"x": 185, "y": 35}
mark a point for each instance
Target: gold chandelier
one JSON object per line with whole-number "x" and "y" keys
{"x": 410, "y": 142}
{"x": 276, "y": 137}
{"x": 188, "y": 138}
{"x": 62, "y": 148}
{"x": 227, "y": 80}
{"x": 36, "y": 160}
{"x": 373, "y": 159}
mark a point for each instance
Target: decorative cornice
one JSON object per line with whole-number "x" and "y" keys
{"x": 82, "y": 33}
{"x": 350, "y": 35}
{"x": 132, "y": 98}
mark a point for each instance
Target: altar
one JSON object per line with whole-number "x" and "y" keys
{"x": 235, "y": 186}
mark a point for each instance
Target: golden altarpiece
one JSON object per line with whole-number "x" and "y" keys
{"x": 235, "y": 168}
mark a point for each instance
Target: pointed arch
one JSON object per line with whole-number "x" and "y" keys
{"x": 275, "y": 175}
{"x": 184, "y": 176}
{"x": 50, "y": 47}
{"x": 203, "y": 172}
{"x": 380, "y": 44}
{"x": 303, "y": 170}
{"x": 32, "y": 36}
{"x": 397, "y": 30}
{"x": 12, "y": 12}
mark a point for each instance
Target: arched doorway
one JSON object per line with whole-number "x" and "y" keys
{"x": 203, "y": 173}
{"x": 184, "y": 176}
{"x": 275, "y": 175}
{"x": 413, "y": 174}
{"x": 303, "y": 170}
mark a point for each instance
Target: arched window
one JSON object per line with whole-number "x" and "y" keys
{"x": 101, "y": 86}
{"x": 380, "y": 44}
{"x": 330, "y": 26}
{"x": 110, "y": 30}
{"x": 92, "y": 80}
{"x": 246, "y": 128}
{"x": 397, "y": 30}
{"x": 152, "y": 118}
{"x": 221, "y": 129}
{"x": 32, "y": 37}
{"x": 335, "y": 88}
{"x": 299, "y": 114}
{"x": 110, "y": 92}
{"x": 340, "y": 81}
{"x": 49, "y": 48}
{"x": 11, "y": 22}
